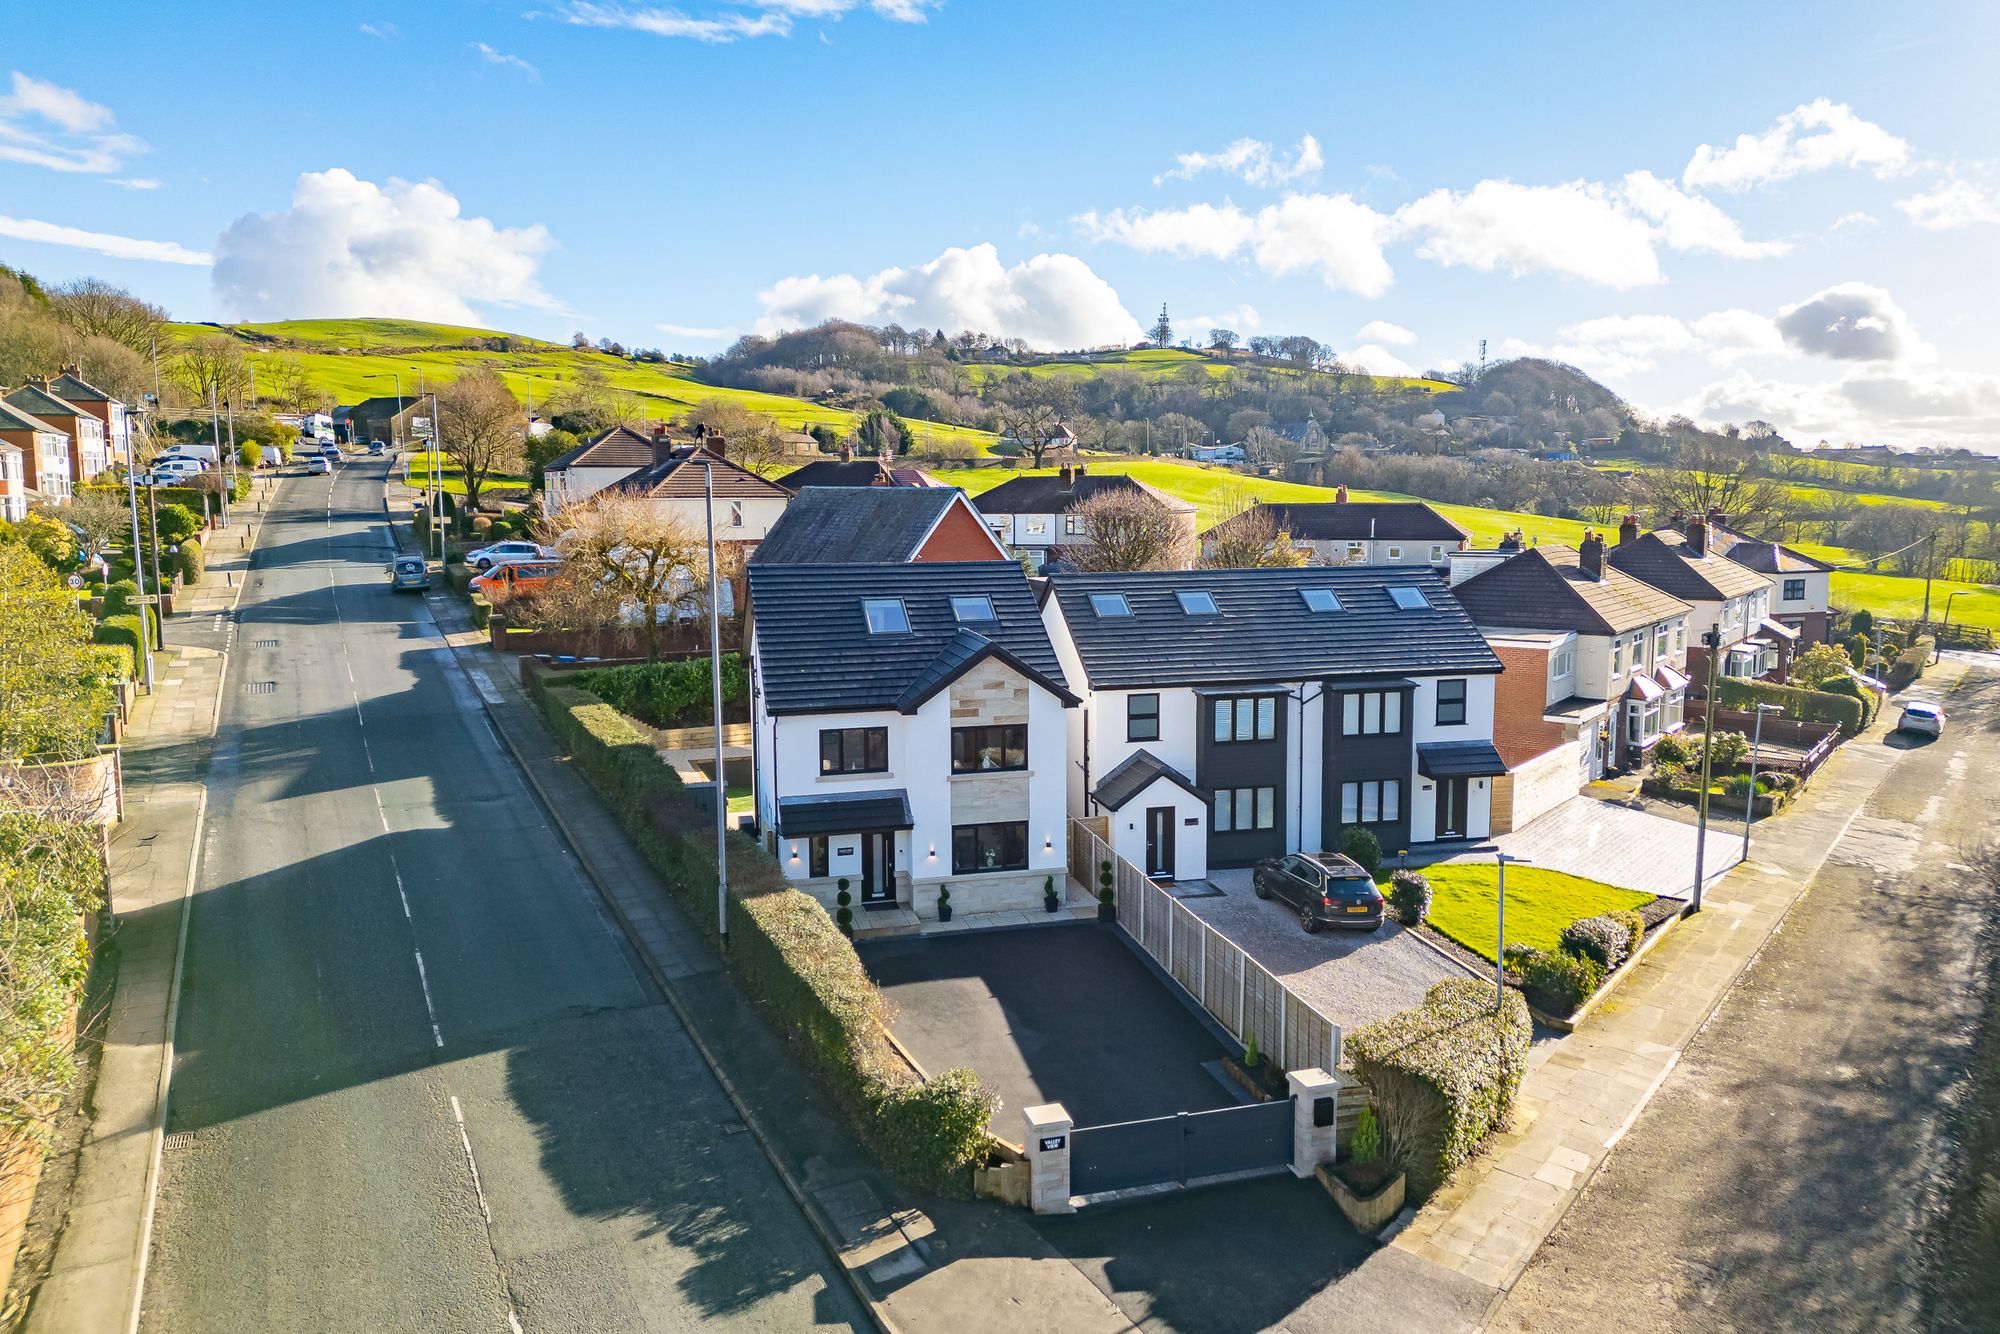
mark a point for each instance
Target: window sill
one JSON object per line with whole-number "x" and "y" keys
{"x": 871, "y": 776}
{"x": 991, "y": 773}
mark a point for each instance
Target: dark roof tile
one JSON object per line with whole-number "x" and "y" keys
{"x": 1545, "y": 588}
{"x": 1361, "y": 521}
{"x": 839, "y": 525}
{"x": 1048, "y": 493}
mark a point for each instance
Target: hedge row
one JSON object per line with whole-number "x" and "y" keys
{"x": 791, "y": 958}
{"x": 1443, "y": 1075}
{"x": 1813, "y": 706}
{"x": 1911, "y": 662}
{"x": 193, "y": 563}
{"x": 124, "y": 631}
{"x": 51, "y": 879}
{"x": 666, "y": 694}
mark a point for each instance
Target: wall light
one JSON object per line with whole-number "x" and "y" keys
{"x": 795, "y": 852}
{"x": 1048, "y": 844}
{"x": 933, "y": 852}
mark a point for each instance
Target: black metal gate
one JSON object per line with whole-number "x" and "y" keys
{"x": 1174, "y": 1150}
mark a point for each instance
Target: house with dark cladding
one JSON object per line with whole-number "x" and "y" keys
{"x": 1229, "y": 715}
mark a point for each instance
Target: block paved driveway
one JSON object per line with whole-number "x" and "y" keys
{"x": 1351, "y": 977}
{"x": 1620, "y": 846}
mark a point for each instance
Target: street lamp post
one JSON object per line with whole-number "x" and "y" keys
{"x": 1500, "y": 859}
{"x": 1937, "y": 649}
{"x": 1712, "y": 641}
{"x": 1750, "y": 797}
{"x": 138, "y": 560}
{"x": 715, "y": 702}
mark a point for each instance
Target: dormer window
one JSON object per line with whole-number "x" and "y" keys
{"x": 1320, "y": 599}
{"x": 886, "y": 616}
{"x": 1196, "y": 602}
{"x": 1409, "y": 599}
{"x": 1109, "y": 604}
{"x": 972, "y": 607}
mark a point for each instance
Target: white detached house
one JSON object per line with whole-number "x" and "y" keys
{"x": 908, "y": 734}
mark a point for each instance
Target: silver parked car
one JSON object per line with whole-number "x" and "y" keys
{"x": 1919, "y": 716}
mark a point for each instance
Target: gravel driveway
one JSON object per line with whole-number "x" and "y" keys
{"x": 1351, "y": 977}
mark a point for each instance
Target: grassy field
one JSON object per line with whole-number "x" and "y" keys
{"x": 1903, "y": 598}
{"x": 1159, "y": 363}
{"x": 332, "y": 351}
{"x": 1540, "y": 903}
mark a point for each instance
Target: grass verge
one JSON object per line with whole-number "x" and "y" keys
{"x": 1540, "y": 903}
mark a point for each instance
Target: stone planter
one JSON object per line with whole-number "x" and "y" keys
{"x": 1369, "y": 1211}
{"x": 1107, "y": 912}
{"x": 1263, "y": 1082}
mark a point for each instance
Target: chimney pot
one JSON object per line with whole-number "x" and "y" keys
{"x": 1590, "y": 554}
{"x": 1628, "y": 529}
{"x": 717, "y": 444}
{"x": 1340, "y": 494}
{"x": 1696, "y": 531}
{"x": 846, "y": 452}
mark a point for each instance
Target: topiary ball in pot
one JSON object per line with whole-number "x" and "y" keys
{"x": 844, "y": 914}
{"x": 1050, "y": 902}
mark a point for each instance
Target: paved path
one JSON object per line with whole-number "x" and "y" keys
{"x": 420, "y": 1082}
{"x": 1620, "y": 846}
{"x": 1583, "y": 1093}
{"x": 1796, "y": 1169}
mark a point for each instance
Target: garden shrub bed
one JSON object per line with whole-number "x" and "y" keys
{"x": 1817, "y": 706}
{"x": 670, "y": 694}
{"x": 792, "y": 960}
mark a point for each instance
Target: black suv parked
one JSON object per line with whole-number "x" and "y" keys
{"x": 1327, "y": 891}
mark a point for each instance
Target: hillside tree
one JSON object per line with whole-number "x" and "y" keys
{"x": 1128, "y": 530}
{"x": 94, "y": 308}
{"x": 481, "y": 429}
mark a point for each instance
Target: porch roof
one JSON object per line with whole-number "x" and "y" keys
{"x": 844, "y": 813}
{"x": 1459, "y": 759}
{"x": 1139, "y": 772}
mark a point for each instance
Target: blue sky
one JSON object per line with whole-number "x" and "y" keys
{"x": 1400, "y": 188}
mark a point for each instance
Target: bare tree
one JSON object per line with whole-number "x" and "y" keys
{"x": 751, "y": 439}
{"x": 1223, "y": 340}
{"x": 212, "y": 368}
{"x": 100, "y": 517}
{"x": 481, "y": 429}
{"x": 1129, "y": 530}
{"x": 1704, "y": 479}
{"x": 287, "y": 381}
{"x": 648, "y": 555}
{"x": 1266, "y": 445}
{"x": 1250, "y": 538}
{"x": 94, "y": 308}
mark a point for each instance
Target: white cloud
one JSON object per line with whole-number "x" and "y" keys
{"x": 1332, "y": 235}
{"x": 46, "y": 125}
{"x": 350, "y": 247}
{"x": 1688, "y": 222}
{"x": 1897, "y": 405}
{"x": 1952, "y": 204}
{"x": 1813, "y": 137}
{"x": 1577, "y": 228}
{"x": 1376, "y": 360}
{"x": 1381, "y": 331}
{"x": 1729, "y": 334}
{"x": 1849, "y": 322}
{"x": 103, "y": 243}
{"x": 135, "y": 182}
{"x": 501, "y": 58}
{"x": 1251, "y": 160}
{"x": 382, "y": 31}
{"x": 696, "y": 331}
{"x": 1244, "y": 319}
{"x": 768, "y": 18}
{"x": 1855, "y": 219}
{"x": 1614, "y": 346}
{"x": 1050, "y": 301}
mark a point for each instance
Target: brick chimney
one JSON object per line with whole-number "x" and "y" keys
{"x": 1628, "y": 529}
{"x": 717, "y": 444}
{"x": 1696, "y": 531}
{"x": 846, "y": 452}
{"x": 1068, "y": 474}
{"x": 1590, "y": 555}
{"x": 1340, "y": 494}
{"x": 1509, "y": 542}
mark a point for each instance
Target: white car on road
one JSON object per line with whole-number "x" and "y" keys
{"x": 316, "y": 465}
{"x": 485, "y": 558}
{"x": 1920, "y": 716}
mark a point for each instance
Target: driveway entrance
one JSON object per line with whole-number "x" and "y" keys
{"x": 1178, "y": 1150}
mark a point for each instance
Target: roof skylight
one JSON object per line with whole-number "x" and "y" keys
{"x": 1410, "y": 599}
{"x": 1320, "y": 599}
{"x": 1196, "y": 602}
{"x": 972, "y": 607}
{"x": 1109, "y": 604}
{"x": 886, "y": 616}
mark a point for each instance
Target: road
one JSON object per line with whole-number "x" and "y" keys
{"x": 1804, "y": 1166}
{"x": 420, "y": 1082}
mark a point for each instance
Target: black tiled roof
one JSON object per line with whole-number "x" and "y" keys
{"x": 1048, "y": 493}
{"x": 817, "y": 655}
{"x": 1135, "y": 775}
{"x": 843, "y": 813}
{"x": 840, "y": 525}
{"x": 618, "y": 447}
{"x": 1459, "y": 759}
{"x": 1359, "y": 521}
{"x": 856, "y": 472}
{"x": 1545, "y": 588}
{"x": 1264, "y": 632}
{"x": 1663, "y": 559}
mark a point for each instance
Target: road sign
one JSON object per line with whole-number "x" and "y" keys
{"x": 420, "y": 427}
{"x": 75, "y": 581}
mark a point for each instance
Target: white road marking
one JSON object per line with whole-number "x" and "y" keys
{"x": 397, "y": 871}
{"x": 423, "y": 980}
{"x": 471, "y": 1163}
{"x": 379, "y": 812}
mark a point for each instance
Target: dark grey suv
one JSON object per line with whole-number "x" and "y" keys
{"x": 1327, "y": 891}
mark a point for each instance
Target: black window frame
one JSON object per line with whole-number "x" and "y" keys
{"x": 1236, "y": 703}
{"x": 967, "y": 740}
{"x": 1134, "y": 716}
{"x": 1361, "y": 697}
{"x": 868, "y": 737}
{"x": 966, "y": 839}
{"x": 868, "y": 619}
{"x": 1186, "y": 595}
{"x": 1788, "y": 595}
{"x": 1124, "y": 607}
{"x": 1382, "y": 788}
{"x": 817, "y": 850}
{"x": 1458, "y": 703}
{"x": 1261, "y": 818}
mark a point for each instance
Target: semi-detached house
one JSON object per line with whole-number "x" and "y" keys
{"x": 1722, "y": 595}
{"x": 1360, "y": 532}
{"x": 45, "y": 474}
{"x": 1040, "y": 515}
{"x": 908, "y": 733}
{"x": 1230, "y": 715}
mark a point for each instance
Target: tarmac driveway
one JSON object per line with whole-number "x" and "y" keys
{"x": 1351, "y": 977}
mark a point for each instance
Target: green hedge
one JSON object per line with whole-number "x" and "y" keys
{"x": 1911, "y": 662}
{"x": 667, "y": 694}
{"x": 788, "y": 953}
{"x": 482, "y": 612}
{"x": 51, "y": 879}
{"x": 124, "y": 631}
{"x": 1847, "y": 686}
{"x": 193, "y": 563}
{"x": 1443, "y": 1075}
{"x": 1813, "y": 706}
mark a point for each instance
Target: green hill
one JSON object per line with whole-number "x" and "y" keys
{"x": 1164, "y": 362}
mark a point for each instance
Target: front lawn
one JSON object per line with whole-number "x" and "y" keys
{"x": 1540, "y": 903}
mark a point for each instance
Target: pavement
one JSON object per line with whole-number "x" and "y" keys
{"x": 1351, "y": 977}
{"x": 1583, "y": 1093}
{"x": 420, "y": 1079}
{"x": 99, "y": 1264}
{"x": 1633, "y": 849}
{"x": 1065, "y": 1014}
{"x": 1805, "y": 1164}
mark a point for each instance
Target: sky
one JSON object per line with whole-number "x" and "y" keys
{"x": 1784, "y": 213}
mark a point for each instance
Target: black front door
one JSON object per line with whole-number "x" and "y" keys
{"x": 1451, "y": 808}
{"x": 878, "y": 870}
{"x": 1160, "y": 842}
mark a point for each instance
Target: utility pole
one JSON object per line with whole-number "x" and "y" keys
{"x": 1712, "y": 639}
{"x": 225, "y": 468}
{"x": 1930, "y": 569}
{"x": 715, "y": 702}
{"x": 139, "y": 564}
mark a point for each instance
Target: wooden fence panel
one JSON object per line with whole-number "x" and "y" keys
{"x": 1224, "y": 980}
{"x": 1189, "y": 933}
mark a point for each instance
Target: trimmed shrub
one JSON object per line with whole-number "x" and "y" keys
{"x": 192, "y": 561}
{"x": 1635, "y": 927}
{"x": 481, "y": 526}
{"x": 1367, "y": 1144}
{"x": 1871, "y": 703}
{"x": 1599, "y": 939}
{"x": 1784, "y": 780}
{"x": 176, "y": 523}
{"x": 1729, "y": 749}
{"x": 482, "y": 612}
{"x": 121, "y": 598}
{"x": 1563, "y": 980}
{"x": 1672, "y": 749}
{"x": 1443, "y": 1075}
{"x": 1815, "y": 706}
{"x": 667, "y": 694}
{"x": 1862, "y": 622}
{"x": 1911, "y": 662}
{"x": 124, "y": 630}
{"x": 1514, "y": 958}
{"x": 1410, "y": 894}
{"x": 792, "y": 959}
{"x": 1361, "y": 846}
